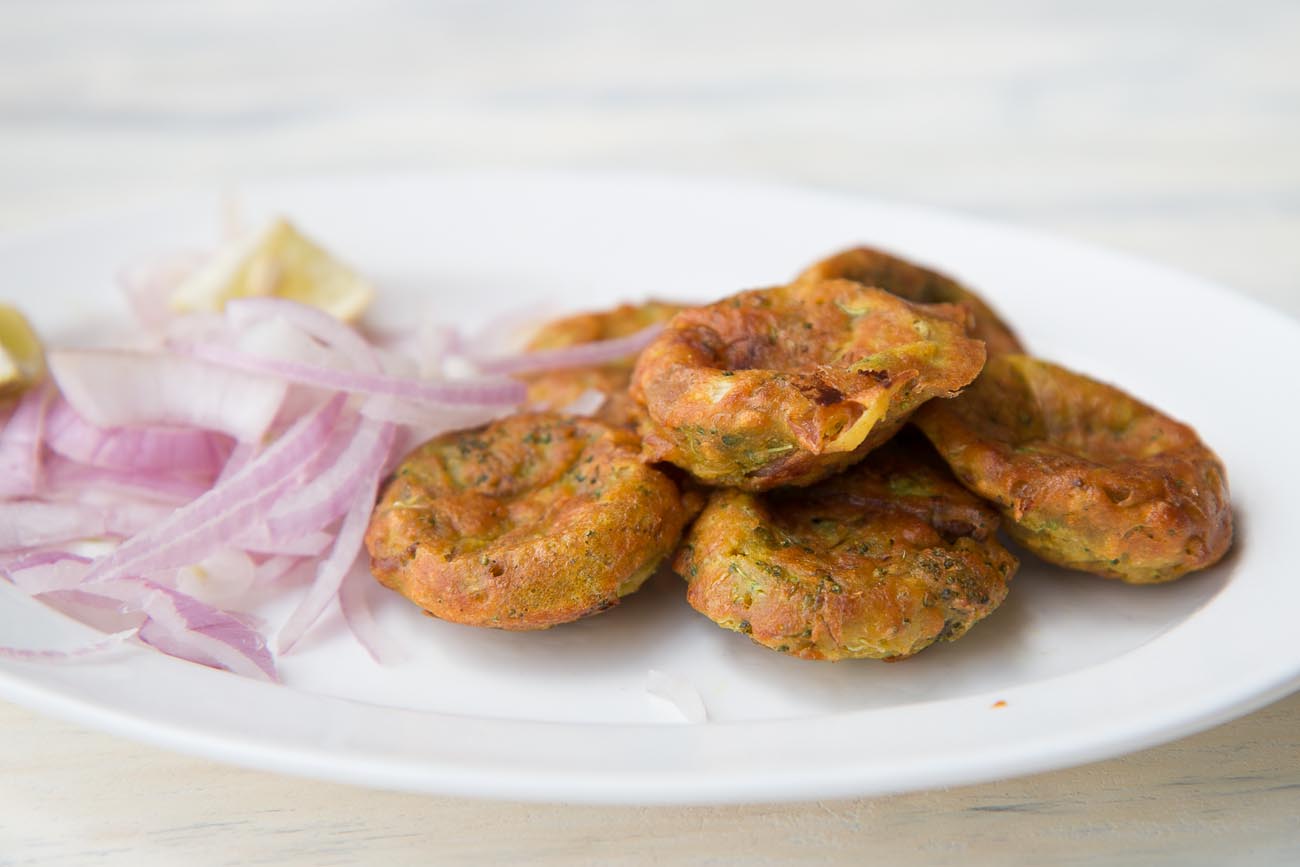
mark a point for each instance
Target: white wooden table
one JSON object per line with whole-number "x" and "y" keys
{"x": 1171, "y": 130}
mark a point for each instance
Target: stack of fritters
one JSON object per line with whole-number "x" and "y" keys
{"x": 829, "y": 529}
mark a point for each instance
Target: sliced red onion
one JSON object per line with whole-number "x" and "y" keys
{"x": 47, "y": 571}
{"x": 430, "y": 340}
{"x": 129, "y": 518}
{"x": 332, "y": 570}
{"x": 38, "y": 558}
{"x": 434, "y": 344}
{"x": 587, "y": 403}
{"x": 360, "y": 619}
{"x": 678, "y": 692}
{"x": 275, "y": 568}
{"x": 84, "y": 653}
{"x": 313, "y": 320}
{"x": 193, "y": 532}
{"x": 328, "y": 496}
{"x": 31, "y": 523}
{"x": 506, "y": 333}
{"x": 240, "y": 456}
{"x": 280, "y": 339}
{"x": 400, "y": 365}
{"x": 97, "y": 612}
{"x": 291, "y": 359}
{"x": 180, "y": 625}
{"x": 195, "y": 328}
{"x": 433, "y": 418}
{"x": 448, "y": 392}
{"x": 390, "y": 409}
{"x": 20, "y": 444}
{"x": 189, "y": 450}
{"x": 137, "y": 433}
{"x": 399, "y": 354}
{"x": 258, "y": 541}
{"x": 115, "y": 388}
{"x": 148, "y": 285}
{"x": 582, "y": 355}
{"x": 222, "y": 580}
{"x": 66, "y": 480}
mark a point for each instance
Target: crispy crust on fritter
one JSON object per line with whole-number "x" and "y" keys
{"x": 533, "y": 520}
{"x": 907, "y": 280}
{"x": 879, "y": 562}
{"x": 556, "y": 389}
{"x": 787, "y": 386}
{"x": 1086, "y": 476}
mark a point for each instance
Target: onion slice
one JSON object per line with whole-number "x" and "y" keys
{"x": 590, "y": 354}
{"x": 448, "y": 392}
{"x": 192, "y": 533}
{"x": 258, "y": 541}
{"x": 20, "y": 444}
{"x": 115, "y": 388}
{"x": 334, "y": 568}
{"x": 315, "y": 322}
{"x": 360, "y": 619}
{"x": 588, "y": 403}
{"x": 67, "y": 480}
{"x": 47, "y": 572}
{"x": 275, "y": 568}
{"x": 250, "y": 451}
{"x": 148, "y": 285}
{"x": 180, "y": 625}
{"x": 327, "y": 497}
{"x": 136, "y": 448}
{"x": 84, "y": 653}
{"x": 222, "y": 580}
{"x": 32, "y": 523}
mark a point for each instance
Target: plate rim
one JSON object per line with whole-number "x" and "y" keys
{"x": 1249, "y": 694}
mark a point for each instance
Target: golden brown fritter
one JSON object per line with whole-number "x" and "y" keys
{"x": 557, "y": 389}
{"x": 881, "y": 561}
{"x": 1086, "y": 476}
{"x": 910, "y": 281}
{"x": 533, "y": 520}
{"x": 789, "y": 385}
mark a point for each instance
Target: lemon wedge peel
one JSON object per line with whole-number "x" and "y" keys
{"x": 278, "y": 262}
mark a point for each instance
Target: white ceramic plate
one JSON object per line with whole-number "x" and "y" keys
{"x": 1071, "y": 669}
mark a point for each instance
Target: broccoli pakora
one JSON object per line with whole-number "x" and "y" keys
{"x": 531, "y": 521}
{"x": 876, "y": 268}
{"x": 1086, "y": 476}
{"x": 881, "y": 561}
{"x": 786, "y": 386}
{"x": 557, "y": 389}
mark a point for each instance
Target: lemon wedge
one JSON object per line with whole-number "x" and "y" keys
{"x": 279, "y": 262}
{"x": 22, "y": 361}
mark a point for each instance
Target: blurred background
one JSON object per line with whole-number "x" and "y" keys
{"x": 1170, "y": 129}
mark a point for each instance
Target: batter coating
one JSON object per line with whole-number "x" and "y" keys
{"x": 556, "y": 389}
{"x": 879, "y": 562}
{"x": 533, "y": 520}
{"x": 910, "y": 281}
{"x": 1086, "y": 476}
{"x": 787, "y": 386}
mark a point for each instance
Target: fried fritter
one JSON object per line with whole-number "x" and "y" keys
{"x": 556, "y": 389}
{"x": 910, "y": 281}
{"x": 533, "y": 520}
{"x": 1086, "y": 476}
{"x": 880, "y": 562}
{"x": 787, "y": 386}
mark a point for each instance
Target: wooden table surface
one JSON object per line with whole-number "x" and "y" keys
{"x": 1170, "y": 129}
